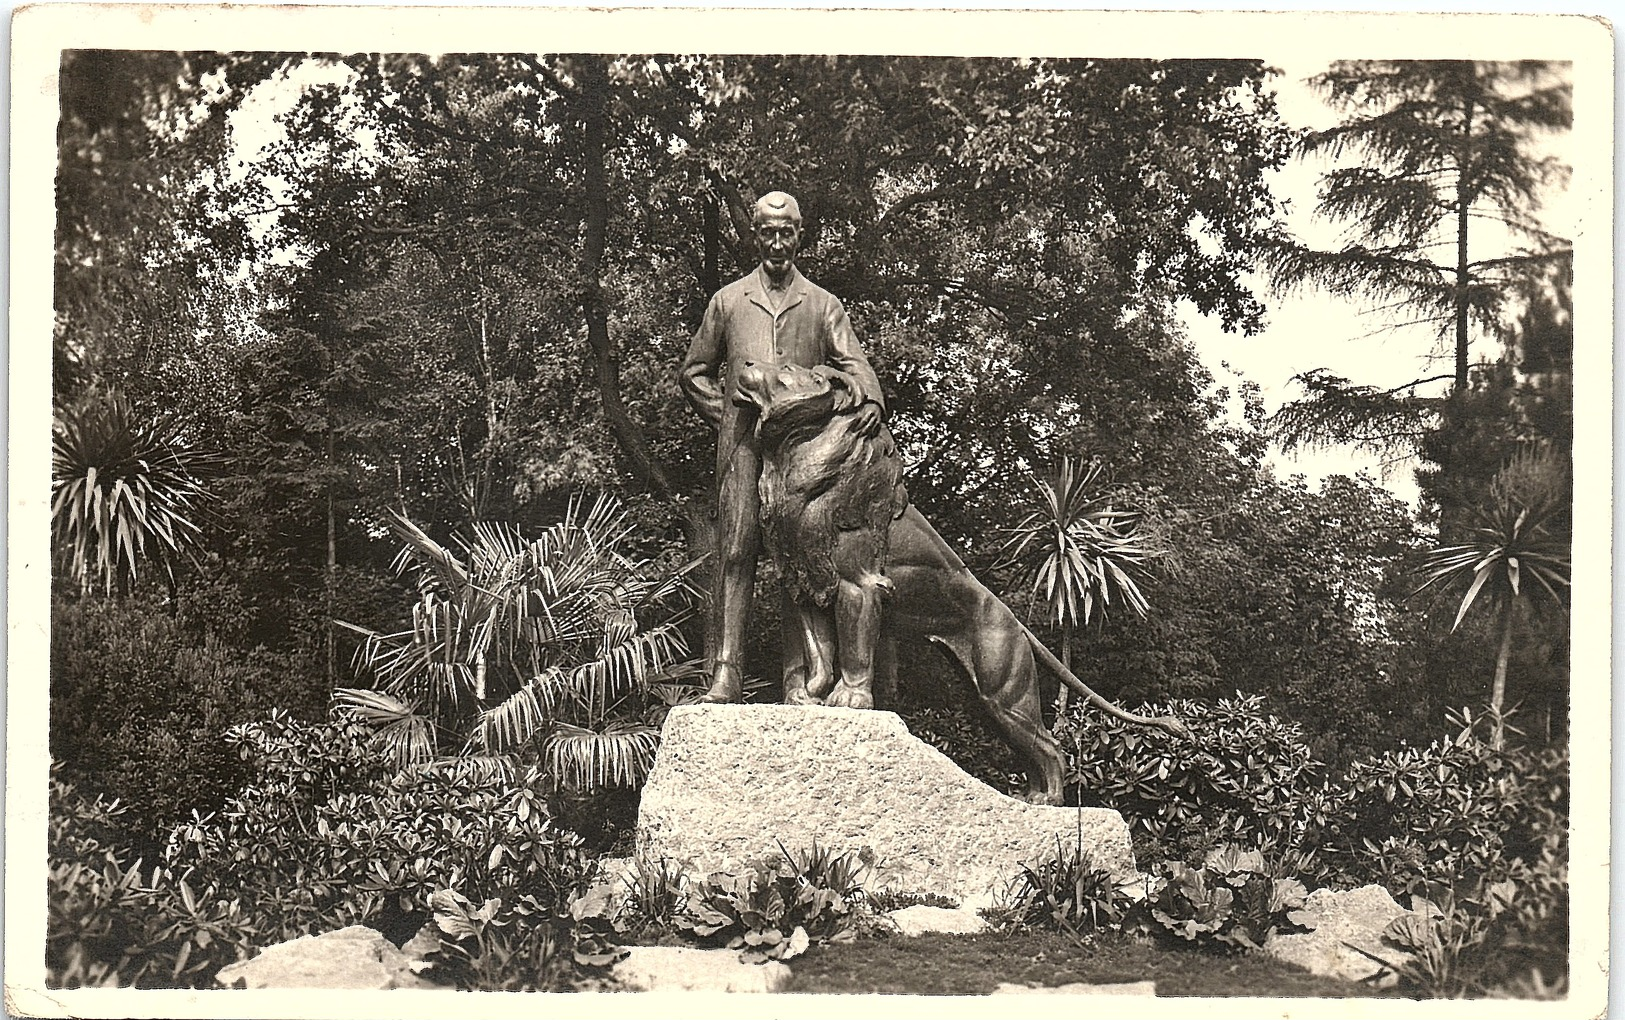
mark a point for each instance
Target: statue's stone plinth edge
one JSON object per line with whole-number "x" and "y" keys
{"x": 733, "y": 782}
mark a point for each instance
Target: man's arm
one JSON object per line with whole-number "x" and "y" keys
{"x": 700, "y": 374}
{"x": 846, "y": 354}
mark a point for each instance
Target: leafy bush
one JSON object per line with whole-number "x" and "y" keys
{"x": 1230, "y": 901}
{"x": 330, "y": 833}
{"x": 778, "y": 907}
{"x": 495, "y": 947}
{"x": 1415, "y": 816}
{"x": 1471, "y": 938}
{"x": 140, "y": 706}
{"x": 114, "y": 923}
{"x": 1243, "y": 777}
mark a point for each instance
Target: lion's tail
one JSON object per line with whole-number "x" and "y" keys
{"x": 1167, "y": 722}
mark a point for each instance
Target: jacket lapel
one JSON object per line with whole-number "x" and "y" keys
{"x": 756, "y": 291}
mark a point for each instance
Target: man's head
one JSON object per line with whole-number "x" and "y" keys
{"x": 777, "y": 222}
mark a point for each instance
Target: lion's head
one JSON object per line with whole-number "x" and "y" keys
{"x": 789, "y": 398}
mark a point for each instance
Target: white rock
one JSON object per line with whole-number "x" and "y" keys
{"x": 733, "y": 781}
{"x": 1357, "y": 917}
{"x": 919, "y": 919}
{"x": 355, "y": 957}
{"x": 1080, "y": 988}
{"x": 681, "y": 969}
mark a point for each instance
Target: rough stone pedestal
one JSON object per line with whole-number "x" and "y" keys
{"x": 732, "y": 781}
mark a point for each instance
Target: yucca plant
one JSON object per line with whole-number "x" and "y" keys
{"x": 1517, "y": 553}
{"x": 560, "y": 649}
{"x": 1079, "y": 551}
{"x": 126, "y": 492}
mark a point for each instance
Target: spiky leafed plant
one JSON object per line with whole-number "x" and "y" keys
{"x": 126, "y": 492}
{"x": 557, "y": 649}
{"x": 1079, "y": 551}
{"x": 1517, "y": 552}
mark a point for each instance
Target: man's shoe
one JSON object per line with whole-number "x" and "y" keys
{"x": 726, "y": 688}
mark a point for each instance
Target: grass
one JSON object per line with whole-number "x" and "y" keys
{"x": 976, "y": 964}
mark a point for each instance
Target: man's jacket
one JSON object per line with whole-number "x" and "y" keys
{"x": 810, "y": 329}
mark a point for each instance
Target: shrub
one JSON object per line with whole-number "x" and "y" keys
{"x": 114, "y": 923}
{"x": 1243, "y": 777}
{"x": 1416, "y": 816}
{"x": 1229, "y": 901}
{"x": 140, "y": 705}
{"x": 330, "y": 833}
{"x": 1471, "y": 938}
{"x": 496, "y": 947}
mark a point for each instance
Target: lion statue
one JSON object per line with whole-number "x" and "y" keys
{"x": 829, "y": 496}
{"x": 837, "y": 520}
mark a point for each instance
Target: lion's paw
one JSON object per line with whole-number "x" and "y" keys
{"x": 851, "y": 697}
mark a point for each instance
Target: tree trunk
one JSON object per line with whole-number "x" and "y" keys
{"x": 330, "y": 578}
{"x": 1066, "y": 660}
{"x": 605, "y": 354}
{"x": 1498, "y": 689}
{"x": 712, "y": 281}
{"x": 1463, "y": 267}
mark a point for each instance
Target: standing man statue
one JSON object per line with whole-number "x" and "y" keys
{"x": 773, "y": 316}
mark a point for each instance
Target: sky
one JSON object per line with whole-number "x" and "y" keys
{"x": 1318, "y": 330}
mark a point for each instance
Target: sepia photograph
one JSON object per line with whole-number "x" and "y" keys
{"x": 915, "y": 505}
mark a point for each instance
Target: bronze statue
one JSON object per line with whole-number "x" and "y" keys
{"x": 802, "y": 451}
{"x": 829, "y": 495}
{"x": 772, "y": 316}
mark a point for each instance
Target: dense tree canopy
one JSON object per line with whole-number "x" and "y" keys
{"x": 459, "y": 286}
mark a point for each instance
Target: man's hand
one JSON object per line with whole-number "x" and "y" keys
{"x": 866, "y": 420}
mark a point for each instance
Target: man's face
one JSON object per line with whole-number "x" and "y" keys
{"x": 777, "y": 238}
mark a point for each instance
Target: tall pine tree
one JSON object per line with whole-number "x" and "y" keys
{"x": 1441, "y": 222}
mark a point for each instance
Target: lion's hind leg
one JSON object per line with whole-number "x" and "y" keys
{"x": 1005, "y": 680}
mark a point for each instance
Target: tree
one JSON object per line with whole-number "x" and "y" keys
{"x": 1079, "y": 551}
{"x": 556, "y": 648}
{"x": 126, "y": 492}
{"x": 1517, "y": 556}
{"x": 148, "y": 242}
{"x": 1447, "y": 145}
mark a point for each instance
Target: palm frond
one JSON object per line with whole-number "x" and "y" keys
{"x": 598, "y": 684}
{"x": 1077, "y": 548}
{"x": 518, "y": 718}
{"x": 584, "y": 759}
{"x": 1514, "y": 536}
{"x": 397, "y": 727}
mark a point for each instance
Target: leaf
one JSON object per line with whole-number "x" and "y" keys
{"x": 451, "y": 913}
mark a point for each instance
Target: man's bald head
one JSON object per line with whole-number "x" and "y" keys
{"x": 777, "y": 205}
